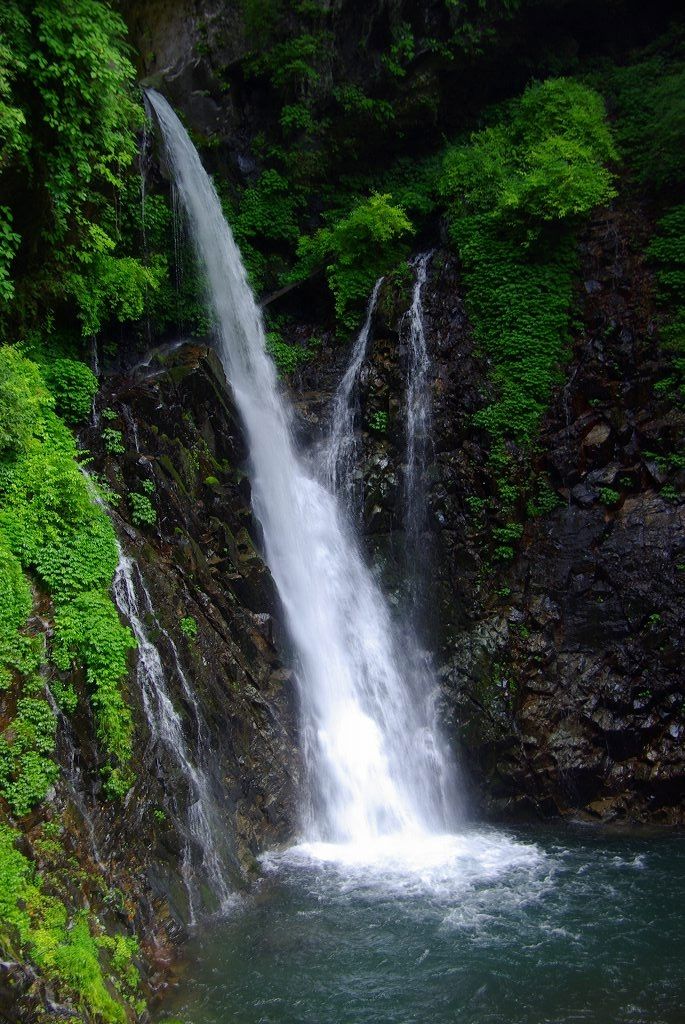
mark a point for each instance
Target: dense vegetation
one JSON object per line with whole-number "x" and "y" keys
{"x": 68, "y": 124}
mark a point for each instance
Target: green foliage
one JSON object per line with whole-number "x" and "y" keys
{"x": 88, "y": 632}
{"x": 23, "y": 398}
{"x": 354, "y": 100}
{"x": 287, "y": 357}
{"x": 545, "y": 500}
{"x": 543, "y": 166}
{"x": 69, "y": 121}
{"x": 292, "y": 63}
{"x": 266, "y": 216}
{"x": 519, "y": 305}
{"x": 647, "y": 98}
{"x": 50, "y": 526}
{"x": 17, "y": 651}
{"x": 401, "y": 51}
{"x": 113, "y": 441}
{"x": 546, "y": 164}
{"x": 142, "y": 510}
{"x": 378, "y": 422}
{"x": 73, "y": 385}
{"x": 109, "y": 286}
{"x": 356, "y": 250}
{"x": 508, "y": 534}
{"x": 669, "y": 493}
{"x": 36, "y": 925}
{"x": 609, "y": 496}
{"x": 189, "y": 627}
{"x": 515, "y": 193}
{"x": 27, "y": 769}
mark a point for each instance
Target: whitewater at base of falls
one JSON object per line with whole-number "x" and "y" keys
{"x": 437, "y": 865}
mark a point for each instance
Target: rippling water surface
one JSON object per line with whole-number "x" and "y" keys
{"x": 487, "y": 927}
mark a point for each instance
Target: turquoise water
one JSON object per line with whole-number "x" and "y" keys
{"x": 515, "y": 927}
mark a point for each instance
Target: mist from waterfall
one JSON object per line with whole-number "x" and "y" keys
{"x": 375, "y": 768}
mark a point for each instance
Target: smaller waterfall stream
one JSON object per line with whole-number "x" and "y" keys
{"x": 200, "y": 824}
{"x": 418, "y": 418}
{"x": 340, "y": 453}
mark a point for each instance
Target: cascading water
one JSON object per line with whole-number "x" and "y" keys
{"x": 339, "y": 455}
{"x": 199, "y": 824}
{"x": 370, "y": 752}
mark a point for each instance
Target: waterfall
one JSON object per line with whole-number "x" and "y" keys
{"x": 199, "y": 825}
{"x": 374, "y": 768}
{"x": 340, "y": 453}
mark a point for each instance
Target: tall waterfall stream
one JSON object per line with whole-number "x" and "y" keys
{"x": 391, "y": 906}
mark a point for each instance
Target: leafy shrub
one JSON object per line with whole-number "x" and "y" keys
{"x": 73, "y": 385}
{"x": 356, "y": 250}
{"x": 27, "y": 768}
{"x": 23, "y": 397}
{"x": 142, "y": 511}
{"x": 544, "y": 165}
{"x": 189, "y": 627}
{"x": 16, "y": 650}
{"x": 286, "y": 357}
{"x": 67, "y": 84}
{"x": 647, "y": 98}
{"x": 113, "y": 441}
{"x": 88, "y": 632}
{"x": 547, "y": 163}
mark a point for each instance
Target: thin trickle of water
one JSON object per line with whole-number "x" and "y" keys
{"x": 339, "y": 456}
{"x": 131, "y": 422}
{"x": 72, "y": 776}
{"x": 418, "y": 419}
{"x": 95, "y": 367}
{"x": 201, "y": 826}
{"x": 369, "y": 750}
